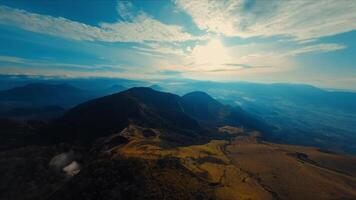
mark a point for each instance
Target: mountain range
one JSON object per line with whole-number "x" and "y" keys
{"x": 301, "y": 114}
{"x": 188, "y": 119}
{"x": 146, "y": 144}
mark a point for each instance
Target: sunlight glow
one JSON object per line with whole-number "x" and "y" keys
{"x": 213, "y": 53}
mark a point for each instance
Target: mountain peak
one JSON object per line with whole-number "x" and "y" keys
{"x": 156, "y": 87}
{"x": 201, "y": 105}
{"x": 199, "y": 97}
{"x": 140, "y": 89}
{"x": 198, "y": 94}
{"x": 141, "y": 106}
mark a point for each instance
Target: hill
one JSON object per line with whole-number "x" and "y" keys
{"x": 139, "y": 106}
{"x": 186, "y": 120}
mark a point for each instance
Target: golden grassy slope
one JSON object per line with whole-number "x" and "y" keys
{"x": 247, "y": 169}
{"x": 294, "y": 172}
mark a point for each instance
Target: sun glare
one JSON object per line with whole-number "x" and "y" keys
{"x": 213, "y": 53}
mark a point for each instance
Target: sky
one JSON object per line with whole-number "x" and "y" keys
{"x": 297, "y": 41}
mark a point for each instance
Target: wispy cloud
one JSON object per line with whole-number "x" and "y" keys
{"x": 12, "y": 59}
{"x": 161, "y": 49}
{"x": 18, "y": 61}
{"x": 245, "y": 66}
{"x": 124, "y": 9}
{"x": 302, "y": 19}
{"x": 139, "y": 28}
{"x": 318, "y": 48}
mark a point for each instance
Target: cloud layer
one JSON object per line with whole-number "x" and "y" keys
{"x": 139, "y": 28}
{"x": 225, "y": 40}
{"x": 301, "y": 19}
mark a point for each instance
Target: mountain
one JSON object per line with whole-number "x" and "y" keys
{"x": 302, "y": 114}
{"x": 139, "y": 106}
{"x": 42, "y": 94}
{"x": 188, "y": 119}
{"x": 212, "y": 113}
{"x": 203, "y": 107}
{"x": 156, "y": 87}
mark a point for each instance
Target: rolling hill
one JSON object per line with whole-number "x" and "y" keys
{"x": 140, "y": 106}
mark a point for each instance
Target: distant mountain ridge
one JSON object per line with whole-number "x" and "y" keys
{"x": 302, "y": 114}
{"x": 42, "y": 94}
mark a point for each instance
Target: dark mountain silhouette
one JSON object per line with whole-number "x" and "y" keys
{"x": 202, "y": 106}
{"x": 176, "y": 116}
{"x": 41, "y": 94}
{"x": 140, "y": 106}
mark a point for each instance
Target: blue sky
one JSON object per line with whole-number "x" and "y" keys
{"x": 302, "y": 41}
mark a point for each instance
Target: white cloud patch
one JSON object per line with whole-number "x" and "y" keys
{"x": 300, "y": 19}
{"x": 137, "y": 29}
